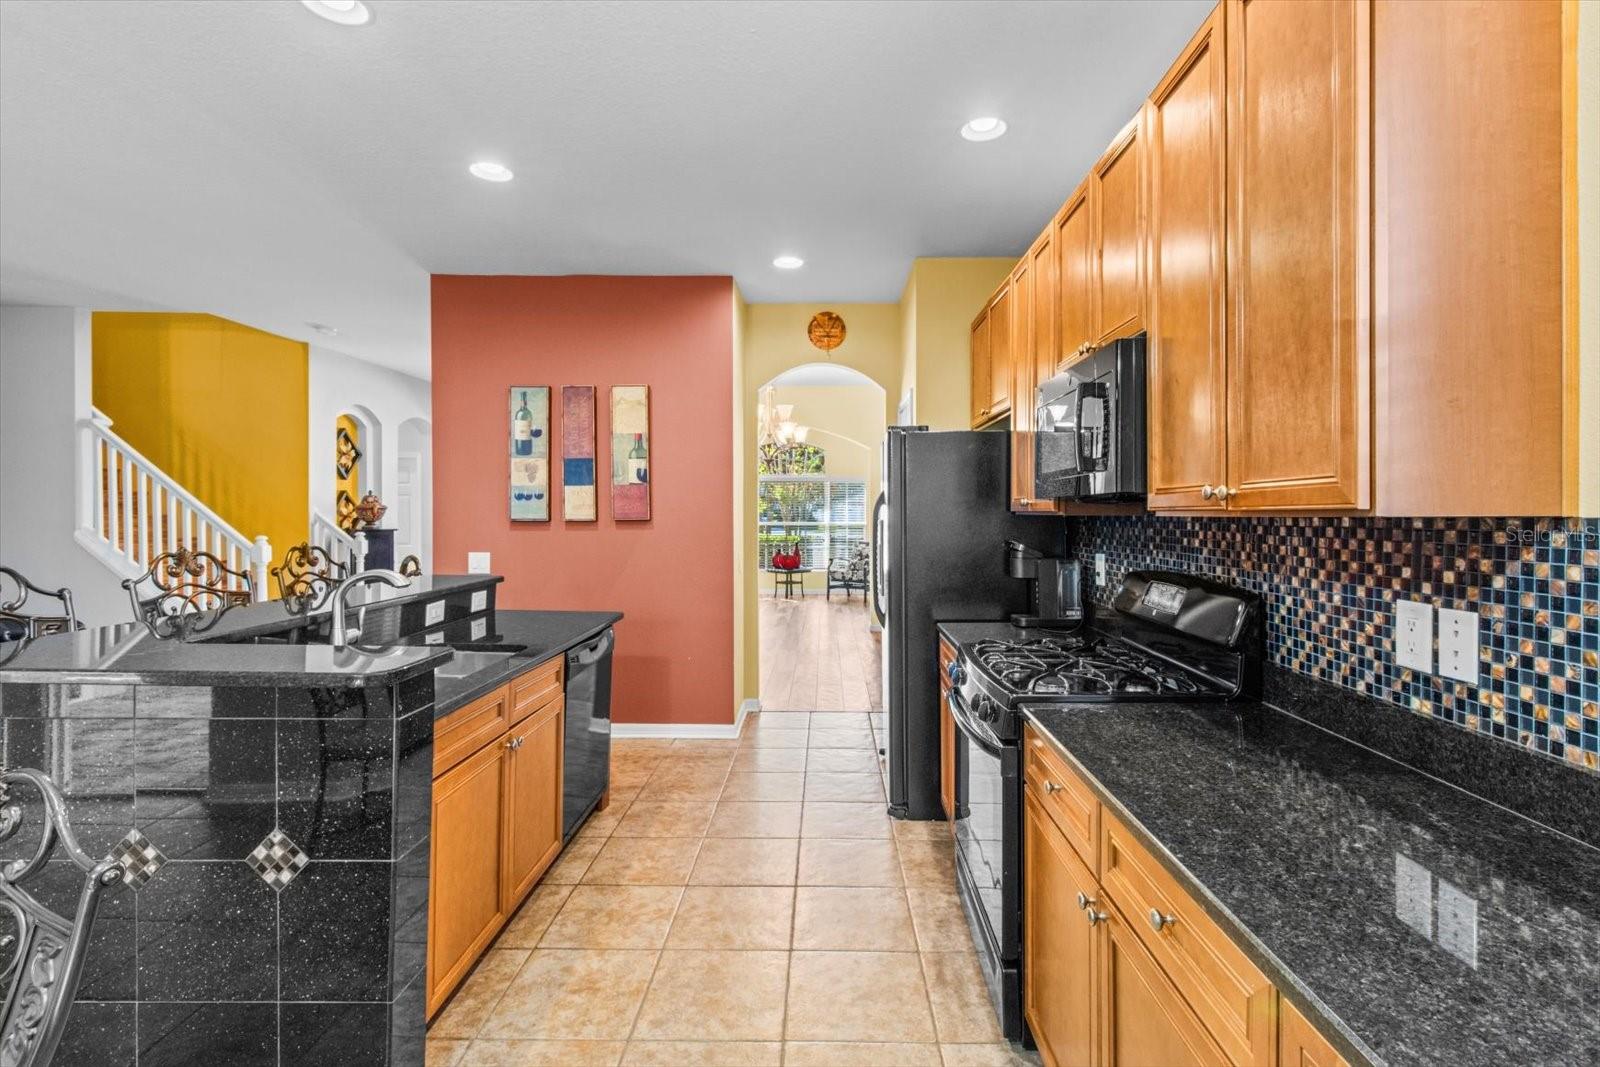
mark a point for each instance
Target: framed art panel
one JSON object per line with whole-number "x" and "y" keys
{"x": 578, "y": 503}
{"x": 630, "y": 453}
{"x": 530, "y": 453}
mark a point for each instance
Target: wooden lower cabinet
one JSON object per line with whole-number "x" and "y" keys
{"x": 496, "y": 830}
{"x": 1058, "y": 942}
{"x": 466, "y": 906}
{"x": 1103, "y": 986}
{"x": 1145, "y": 1021}
{"x": 532, "y": 799}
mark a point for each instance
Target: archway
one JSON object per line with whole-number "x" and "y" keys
{"x": 413, "y": 492}
{"x": 818, "y": 428}
{"x": 358, "y": 460}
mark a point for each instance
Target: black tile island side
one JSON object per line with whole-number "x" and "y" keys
{"x": 1412, "y": 920}
{"x": 272, "y": 802}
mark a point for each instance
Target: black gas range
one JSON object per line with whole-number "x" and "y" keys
{"x": 1167, "y": 636}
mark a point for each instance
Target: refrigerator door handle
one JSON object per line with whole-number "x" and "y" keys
{"x": 879, "y": 575}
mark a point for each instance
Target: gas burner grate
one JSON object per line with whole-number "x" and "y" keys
{"x": 1079, "y": 667}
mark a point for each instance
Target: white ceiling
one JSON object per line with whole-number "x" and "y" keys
{"x": 251, "y": 160}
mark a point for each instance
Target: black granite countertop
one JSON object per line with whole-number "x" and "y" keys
{"x": 1411, "y": 921}
{"x": 130, "y": 655}
{"x": 274, "y": 617}
{"x": 531, "y": 637}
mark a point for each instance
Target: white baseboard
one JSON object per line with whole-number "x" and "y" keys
{"x": 705, "y": 731}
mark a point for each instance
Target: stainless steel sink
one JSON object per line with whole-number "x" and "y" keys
{"x": 467, "y": 663}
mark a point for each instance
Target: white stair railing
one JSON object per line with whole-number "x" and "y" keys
{"x": 346, "y": 549}
{"x": 130, "y": 512}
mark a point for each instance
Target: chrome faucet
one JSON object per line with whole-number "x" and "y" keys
{"x": 344, "y": 636}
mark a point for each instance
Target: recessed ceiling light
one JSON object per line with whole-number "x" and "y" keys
{"x": 324, "y": 329}
{"x": 491, "y": 172}
{"x": 984, "y": 129}
{"x": 788, "y": 263}
{"x": 344, "y": 12}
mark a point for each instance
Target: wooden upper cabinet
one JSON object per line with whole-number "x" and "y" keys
{"x": 980, "y": 369}
{"x": 1074, "y": 242}
{"x": 1299, "y": 1043}
{"x": 1059, "y": 959}
{"x": 1184, "y": 148}
{"x": 1001, "y": 334}
{"x": 1119, "y": 239}
{"x": 1033, "y": 360}
{"x": 1299, "y": 359}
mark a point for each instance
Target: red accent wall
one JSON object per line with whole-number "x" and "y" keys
{"x": 671, "y": 575}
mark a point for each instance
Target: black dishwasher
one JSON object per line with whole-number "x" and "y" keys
{"x": 586, "y": 750}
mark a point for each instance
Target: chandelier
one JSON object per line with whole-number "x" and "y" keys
{"x": 781, "y": 442}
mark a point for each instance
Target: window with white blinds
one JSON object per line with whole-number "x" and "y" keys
{"x": 826, "y": 516}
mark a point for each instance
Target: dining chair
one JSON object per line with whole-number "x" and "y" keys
{"x": 185, "y": 592}
{"x": 15, "y": 623}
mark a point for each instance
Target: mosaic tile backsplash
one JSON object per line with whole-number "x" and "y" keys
{"x": 1331, "y": 584}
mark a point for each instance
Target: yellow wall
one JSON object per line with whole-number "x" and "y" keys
{"x": 942, "y": 297}
{"x": 772, "y": 339}
{"x": 220, "y": 407}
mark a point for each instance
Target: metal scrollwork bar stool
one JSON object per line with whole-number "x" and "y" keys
{"x": 26, "y": 624}
{"x": 185, "y": 592}
{"x": 42, "y": 976}
{"x": 306, "y": 576}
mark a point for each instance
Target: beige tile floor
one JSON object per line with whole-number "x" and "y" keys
{"x": 743, "y": 903}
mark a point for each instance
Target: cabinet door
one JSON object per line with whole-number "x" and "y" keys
{"x": 1144, "y": 1020}
{"x": 1299, "y": 359}
{"x": 1000, "y": 337}
{"x": 532, "y": 801}
{"x": 1074, "y": 277}
{"x": 1299, "y": 1043}
{"x": 1119, "y": 239}
{"x": 465, "y": 907}
{"x": 980, "y": 369}
{"x": 1058, "y": 961}
{"x": 947, "y": 755}
{"x": 1033, "y": 360}
{"x": 1187, "y": 350}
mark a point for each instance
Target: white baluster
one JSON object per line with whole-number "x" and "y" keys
{"x": 125, "y": 499}
{"x": 261, "y": 556}
{"x": 144, "y": 518}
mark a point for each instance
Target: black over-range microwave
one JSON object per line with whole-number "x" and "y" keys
{"x": 1090, "y": 422}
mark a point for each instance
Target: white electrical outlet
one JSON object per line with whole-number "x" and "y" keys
{"x": 1458, "y": 645}
{"x": 477, "y": 563}
{"x": 1099, "y": 568}
{"x": 1413, "y": 635}
{"x": 433, "y": 613}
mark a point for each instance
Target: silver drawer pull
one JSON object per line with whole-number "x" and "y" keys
{"x": 1095, "y": 916}
{"x": 1158, "y": 920}
{"x": 1084, "y": 901}
{"x": 1051, "y": 787}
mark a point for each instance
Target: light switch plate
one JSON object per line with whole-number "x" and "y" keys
{"x": 477, "y": 563}
{"x": 433, "y": 613}
{"x": 480, "y": 627}
{"x": 1099, "y": 568}
{"x": 1413, "y": 635}
{"x": 480, "y": 600}
{"x": 1458, "y": 645}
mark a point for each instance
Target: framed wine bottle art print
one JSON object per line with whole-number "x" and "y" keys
{"x": 630, "y": 453}
{"x": 530, "y": 453}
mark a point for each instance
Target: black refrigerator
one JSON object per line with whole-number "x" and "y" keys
{"x": 939, "y": 535}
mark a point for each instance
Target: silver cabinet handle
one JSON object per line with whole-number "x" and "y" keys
{"x": 1222, "y": 492}
{"x": 1093, "y": 916}
{"x": 1207, "y": 492}
{"x": 1158, "y": 920}
{"x": 1051, "y": 787}
{"x": 1083, "y": 901}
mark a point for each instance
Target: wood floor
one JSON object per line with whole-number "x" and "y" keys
{"x": 819, "y": 655}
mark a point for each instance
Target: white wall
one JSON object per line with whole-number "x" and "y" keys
{"x": 340, "y": 383}
{"x": 45, "y": 372}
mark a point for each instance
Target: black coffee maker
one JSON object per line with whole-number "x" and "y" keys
{"x": 1056, "y": 597}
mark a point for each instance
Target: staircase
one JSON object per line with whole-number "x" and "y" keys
{"x": 346, "y": 549}
{"x": 130, "y": 512}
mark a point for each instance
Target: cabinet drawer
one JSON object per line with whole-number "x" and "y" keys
{"x": 1063, "y": 794}
{"x": 533, "y": 690}
{"x": 1231, "y": 997}
{"x": 468, "y": 729}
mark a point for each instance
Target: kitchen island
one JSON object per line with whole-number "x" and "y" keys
{"x": 271, "y": 800}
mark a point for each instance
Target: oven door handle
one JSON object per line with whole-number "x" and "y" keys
{"x": 974, "y": 730}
